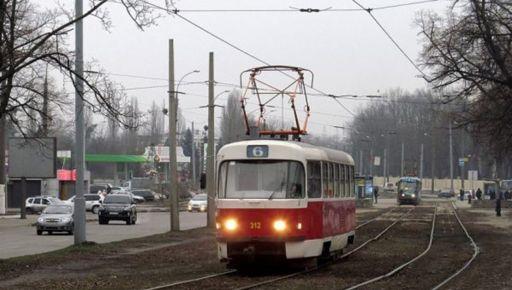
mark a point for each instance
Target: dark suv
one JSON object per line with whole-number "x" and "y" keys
{"x": 118, "y": 207}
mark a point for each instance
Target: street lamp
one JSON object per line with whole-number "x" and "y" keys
{"x": 181, "y": 79}
{"x": 219, "y": 94}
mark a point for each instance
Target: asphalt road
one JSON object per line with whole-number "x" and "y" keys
{"x": 18, "y": 237}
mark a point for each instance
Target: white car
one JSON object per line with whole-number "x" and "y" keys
{"x": 198, "y": 203}
{"x": 36, "y": 204}
{"x": 92, "y": 202}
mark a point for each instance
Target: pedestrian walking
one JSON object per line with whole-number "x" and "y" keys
{"x": 461, "y": 193}
{"x": 376, "y": 194}
{"x": 498, "y": 203}
{"x": 479, "y": 194}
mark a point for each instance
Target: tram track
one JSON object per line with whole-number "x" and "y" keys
{"x": 432, "y": 260}
{"x": 185, "y": 283}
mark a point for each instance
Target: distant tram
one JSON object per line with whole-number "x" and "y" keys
{"x": 283, "y": 200}
{"x": 409, "y": 190}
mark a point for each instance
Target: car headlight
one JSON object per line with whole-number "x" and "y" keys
{"x": 403, "y": 195}
{"x": 230, "y": 224}
{"x": 189, "y": 206}
{"x": 279, "y": 225}
{"x": 413, "y": 195}
{"x": 40, "y": 220}
{"x": 126, "y": 208}
{"x": 65, "y": 220}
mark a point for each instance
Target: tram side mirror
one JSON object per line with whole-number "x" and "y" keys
{"x": 202, "y": 181}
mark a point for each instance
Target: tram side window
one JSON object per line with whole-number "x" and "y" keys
{"x": 325, "y": 179}
{"x": 343, "y": 181}
{"x": 222, "y": 181}
{"x": 351, "y": 181}
{"x": 331, "y": 180}
{"x": 314, "y": 179}
{"x": 336, "y": 179}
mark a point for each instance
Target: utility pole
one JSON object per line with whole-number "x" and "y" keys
{"x": 402, "y": 160}
{"x": 210, "y": 159}
{"x": 360, "y": 162}
{"x": 79, "y": 212}
{"x": 193, "y": 157}
{"x": 463, "y": 167}
{"x": 371, "y": 161}
{"x": 384, "y": 164}
{"x": 173, "y": 166}
{"x": 433, "y": 161}
{"x": 451, "y": 156}
{"x": 421, "y": 162}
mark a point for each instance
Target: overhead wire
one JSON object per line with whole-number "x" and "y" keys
{"x": 234, "y": 46}
{"x": 295, "y": 9}
{"x": 369, "y": 11}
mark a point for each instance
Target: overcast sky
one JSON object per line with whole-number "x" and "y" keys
{"x": 347, "y": 51}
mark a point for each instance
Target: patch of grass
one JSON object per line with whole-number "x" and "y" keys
{"x": 12, "y": 267}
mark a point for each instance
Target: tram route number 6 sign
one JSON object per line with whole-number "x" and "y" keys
{"x": 257, "y": 151}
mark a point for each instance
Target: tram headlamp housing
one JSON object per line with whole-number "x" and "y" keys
{"x": 230, "y": 224}
{"x": 279, "y": 225}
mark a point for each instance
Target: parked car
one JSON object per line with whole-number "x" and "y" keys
{"x": 136, "y": 198}
{"x": 37, "y": 204}
{"x": 198, "y": 203}
{"x": 389, "y": 187}
{"x": 147, "y": 194}
{"x": 56, "y": 218}
{"x": 118, "y": 207}
{"x": 445, "y": 193}
{"x": 92, "y": 202}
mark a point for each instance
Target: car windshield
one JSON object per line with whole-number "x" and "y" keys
{"x": 117, "y": 199}
{"x": 407, "y": 186}
{"x": 142, "y": 193}
{"x": 261, "y": 179}
{"x": 200, "y": 197}
{"x": 58, "y": 209}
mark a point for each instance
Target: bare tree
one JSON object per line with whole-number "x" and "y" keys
{"x": 469, "y": 52}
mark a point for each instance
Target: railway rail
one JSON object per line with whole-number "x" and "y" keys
{"x": 358, "y": 248}
{"x": 476, "y": 251}
{"x": 280, "y": 278}
{"x": 428, "y": 248}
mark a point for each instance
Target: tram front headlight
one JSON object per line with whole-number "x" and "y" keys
{"x": 279, "y": 225}
{"x": 230, "y": 224}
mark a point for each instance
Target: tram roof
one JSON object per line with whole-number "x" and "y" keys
{"x": 308, "y": 151}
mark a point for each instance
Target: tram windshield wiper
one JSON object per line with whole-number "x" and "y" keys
{"x": 276, "y": 190}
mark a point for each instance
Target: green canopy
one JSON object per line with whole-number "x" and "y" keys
{"x": 114, "y": 158}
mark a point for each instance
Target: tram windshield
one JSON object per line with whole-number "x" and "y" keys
{"x": 261, "y": 179}
{"x": 407, "y": 187}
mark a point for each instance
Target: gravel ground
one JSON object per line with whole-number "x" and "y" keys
{"x": 171, "y": 257}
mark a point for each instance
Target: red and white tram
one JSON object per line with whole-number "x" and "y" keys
{"x": 282, "y": 199}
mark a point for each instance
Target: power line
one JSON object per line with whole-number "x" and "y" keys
{"x": 295, "y": 10}
{"x": 369, "y": 10}
{"x": 234, "y": 46}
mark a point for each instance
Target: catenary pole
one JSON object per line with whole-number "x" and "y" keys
{"x": 421, "y": 162}
{"x": 193, "y": 157}
{"x": 210, "y": 159}
{"x": 402, "y": 160}
{"x": 79, "y": 212}
{"x": 451, "y": 156}
{"x": 173, "y": 166}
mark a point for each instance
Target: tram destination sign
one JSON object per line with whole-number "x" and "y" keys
{"x": 257, "y": 151}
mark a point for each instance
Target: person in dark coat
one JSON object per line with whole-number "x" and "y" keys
{"x": 376, "y": 193}
{"x": 479, "y": 194}
{"x": 499, "y": 197}
{"x": 461, "y": 193}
